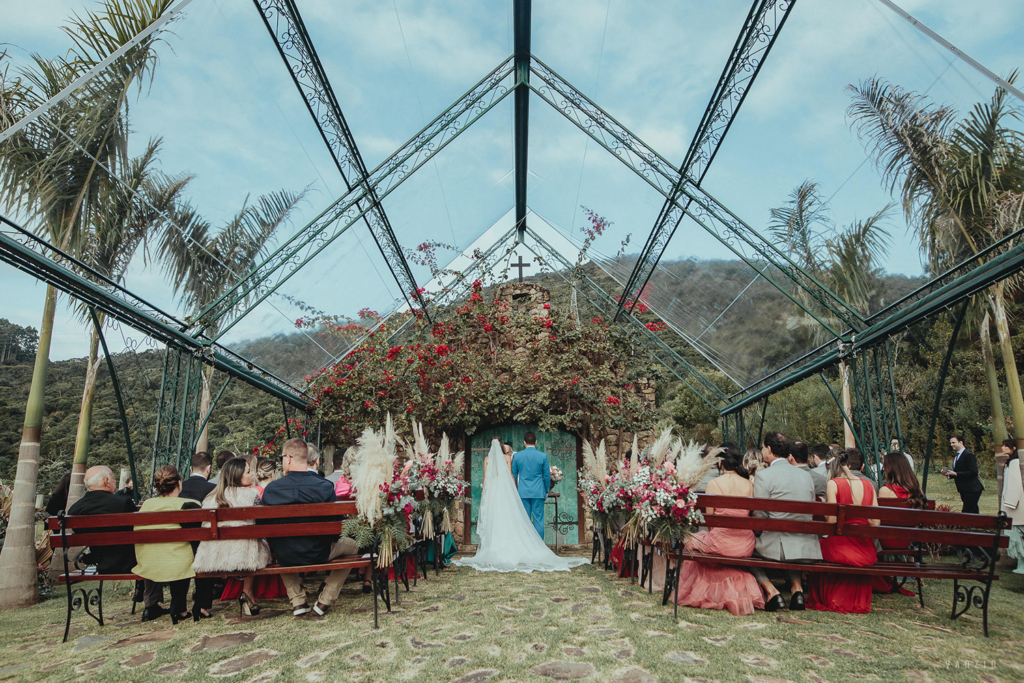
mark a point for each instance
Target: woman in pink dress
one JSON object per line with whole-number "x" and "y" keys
{"x": 845, "y": 593}
{"x": 713, "y": 586}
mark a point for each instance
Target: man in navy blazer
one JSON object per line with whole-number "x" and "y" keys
{"x": 532, "y": 471}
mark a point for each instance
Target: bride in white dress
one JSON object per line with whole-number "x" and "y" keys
{"x": 508, "y": 540}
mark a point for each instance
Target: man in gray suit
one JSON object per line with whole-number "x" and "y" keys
{"x": 782, "y": 481}
{"x": 798, "y": 458}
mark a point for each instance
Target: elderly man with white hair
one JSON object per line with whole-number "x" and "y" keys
{"x": 312, "y": 458}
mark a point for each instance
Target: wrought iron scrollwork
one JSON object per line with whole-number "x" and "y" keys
{"x": 975, "y": 558}
{"x": 563, "y": 523}
{"x": 965, "y": 598}
{"x": 88, "y": 599}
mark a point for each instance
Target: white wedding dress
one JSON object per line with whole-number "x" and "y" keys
{"x": 508, "y": 540}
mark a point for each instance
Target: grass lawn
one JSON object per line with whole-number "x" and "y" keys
{"x": 472, "y": 627}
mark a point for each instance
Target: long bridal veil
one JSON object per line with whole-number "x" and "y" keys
{"x": 508, "y": 540}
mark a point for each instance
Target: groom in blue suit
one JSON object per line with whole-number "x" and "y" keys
{"x": 530, "y": 468}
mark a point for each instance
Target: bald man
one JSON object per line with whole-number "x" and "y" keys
{"x": 101, "y": 500}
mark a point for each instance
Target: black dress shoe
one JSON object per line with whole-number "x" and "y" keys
{"x": 151, "y": 613}
{"x": 775, "y": 604}
{"x": 796, "y": 603}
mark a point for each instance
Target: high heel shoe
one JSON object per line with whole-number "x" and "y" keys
{"x": 247, "y": 606}
{"x": 197, "y": 614}
{"x": 175, "y": 618}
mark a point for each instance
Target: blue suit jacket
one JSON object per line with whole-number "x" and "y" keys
{"x": 532, "y": 470}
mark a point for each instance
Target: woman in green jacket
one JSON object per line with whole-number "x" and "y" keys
{"x": 169, "y": 563}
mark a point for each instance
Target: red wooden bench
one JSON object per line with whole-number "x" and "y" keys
{"x": 272, "y": 522}
{"x": 977, "y": 539}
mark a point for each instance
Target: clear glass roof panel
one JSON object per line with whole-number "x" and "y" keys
{"x": 394, "y": 66}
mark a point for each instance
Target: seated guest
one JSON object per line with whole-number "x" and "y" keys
{"x": 1013, "y": 503}
{"x": 753, "y": 462}
{"x": 266, "y": 472}
{"x": 712, "y": 586}
{"x": 337, "y": 461}
{"x": 100, "y": 499}
{"x": 313, "y": 458}
{"x": 901, "y": 484}
{"x": 242, "y": 555}
{"x": 342, "y": 485}
{"x": 169, "y": 563}
{"x": 781, "y": 481}
{"x": 798, "y": 457}
{"x": 855, "y": 463}
{"x": 128, "y": 491}
{"x": 222, "y": 458}
{"x": 896, "y": 446}
{"x": 845, "y": 592}
{"x": 197, "y": 486}
{"x": 59, "y": 496}
{"x": 819, "y": 459}
{"x": 299, "y": 485}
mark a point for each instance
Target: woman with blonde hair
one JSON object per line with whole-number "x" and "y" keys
{"x": 266, "y": 472}
{"x": 753, "y": 462}
{"x": 234, "y": 489}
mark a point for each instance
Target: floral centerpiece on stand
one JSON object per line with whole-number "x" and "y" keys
{"x": 556, "y": 475}
{"x": 438, "y": 476}
{"x": 661, "y": 487}
{"x": 384, "y": 499}
{"x": 601, "y": 489}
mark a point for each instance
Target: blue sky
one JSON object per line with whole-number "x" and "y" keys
{"x": 228, "y": 113}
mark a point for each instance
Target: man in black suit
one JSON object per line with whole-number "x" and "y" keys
{"x": 100, "y": 499}
{"x": 965, "y": 471}
{"x": 300, "y": 485}
{"x": 196, "y": 487}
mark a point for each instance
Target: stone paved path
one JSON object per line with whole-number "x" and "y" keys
{"x": 469, "y": 627}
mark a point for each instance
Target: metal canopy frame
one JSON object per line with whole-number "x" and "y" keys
{"x": 189, "y": 347}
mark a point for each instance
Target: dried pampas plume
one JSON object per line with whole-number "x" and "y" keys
{"x": 390, "y": 438}
{"x": 691, "y": 468}
{"x": 596, "y": 462}
{"x": 634, "y": 461}
{"x": 371, "y": 468}
{"x": 660, "y": 448}
{"x": 589, "y": 459}
{"x": 601, "y": 457}
{"x": 457, "y": 462}
{"x": 444, "y": 452}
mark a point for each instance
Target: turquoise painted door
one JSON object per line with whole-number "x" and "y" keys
{"x": 562, "y": 453}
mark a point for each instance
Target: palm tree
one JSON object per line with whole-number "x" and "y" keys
{"x": 51, "y": 172}
{"x": 203, "y": 265}
{"x": 846, "y": 261}
{"x": 961, "y": 184}
{"x": 130, "y": 208}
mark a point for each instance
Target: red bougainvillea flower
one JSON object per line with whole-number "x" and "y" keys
{"x": 488, "y": 327}
{"x": 548, "y": 322}
{"x": 596, "y": 321}
{"x": 547, "y": 307}
{"x": 612, "y": 400}
{"x": 442, "y": 350}
{"x": 656, "y": 326}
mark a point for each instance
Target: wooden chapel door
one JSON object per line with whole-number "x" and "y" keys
{"x": 563, "y": 451}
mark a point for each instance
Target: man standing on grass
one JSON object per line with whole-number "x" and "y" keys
{"x": 965, "y": 472}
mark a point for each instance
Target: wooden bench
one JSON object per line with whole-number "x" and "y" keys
{"x": 271, "y": 522}
{"x": 977, "y": 539}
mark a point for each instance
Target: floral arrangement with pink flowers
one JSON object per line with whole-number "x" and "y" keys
{"x": 654, "y": 491}
{"x": 439, "y": 476}
{"x": 556, "y": 475}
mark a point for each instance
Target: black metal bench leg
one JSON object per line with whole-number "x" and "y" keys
{"x": 920, "y": 592}
{"x": 679, "y": 569}
{"x": 67, "y": 622}
{"x": 956, "y": 599}
{"x": 376, "y": 595}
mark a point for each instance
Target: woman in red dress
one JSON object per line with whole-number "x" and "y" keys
{"x": 845, "y": 592}
{"x": 901, "y": 484}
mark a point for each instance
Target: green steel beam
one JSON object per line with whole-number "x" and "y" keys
{"x": 521, "y": 29}
{"x": 943, "y": 372}
{"x": 973, "y": 281}
{"x": 23, "y": 250}
{"x": 120, "y": 403}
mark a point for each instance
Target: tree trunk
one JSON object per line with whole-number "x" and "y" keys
{"x": 998, "y": 420}
{"x": 1009, "y": 363}
{"x": 18, "y": 579}
{"x": 203, "y": 444}
{"x": 84, "y": 422}
{"x": 848, "y": 437}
